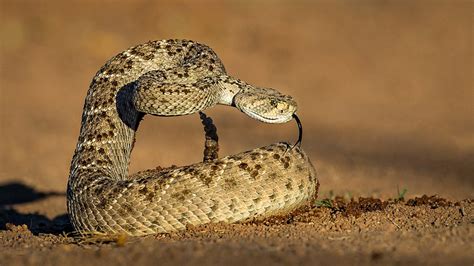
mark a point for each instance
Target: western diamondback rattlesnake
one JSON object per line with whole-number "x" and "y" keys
{"x": 170, "y": 78}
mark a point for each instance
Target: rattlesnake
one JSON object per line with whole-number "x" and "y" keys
{"x": 169, "y": 78}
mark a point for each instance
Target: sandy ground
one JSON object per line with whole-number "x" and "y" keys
{"x": 385, "y": 93}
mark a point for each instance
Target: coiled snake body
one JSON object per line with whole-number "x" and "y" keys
{"x": 169, "y": 78}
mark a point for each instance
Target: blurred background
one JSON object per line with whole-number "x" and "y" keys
{"x": 385, "y": 88}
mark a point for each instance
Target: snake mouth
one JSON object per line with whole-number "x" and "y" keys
{"x": 267, "y": 119}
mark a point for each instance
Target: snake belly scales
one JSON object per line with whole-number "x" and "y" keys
{"x": 171, "y": 78}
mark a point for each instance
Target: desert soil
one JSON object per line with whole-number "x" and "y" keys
{"x": 385, "y": 94}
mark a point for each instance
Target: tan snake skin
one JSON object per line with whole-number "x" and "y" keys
{"x": 169, "y": 78}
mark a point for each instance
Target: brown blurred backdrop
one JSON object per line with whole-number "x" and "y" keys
{"x": 385, "y": 88}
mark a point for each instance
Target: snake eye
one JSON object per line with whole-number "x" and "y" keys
{"x": 274, "y": 102}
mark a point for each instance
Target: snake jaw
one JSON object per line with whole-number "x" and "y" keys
{"x": 263, "y": 118}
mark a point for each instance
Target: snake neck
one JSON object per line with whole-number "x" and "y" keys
{"x": 229, "y": 88}
{"x": 106, "y": 137}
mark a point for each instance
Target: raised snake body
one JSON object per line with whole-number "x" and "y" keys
{"x": 169, "y": 78}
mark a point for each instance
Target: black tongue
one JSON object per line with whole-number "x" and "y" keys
{"x": 300, "y": 131}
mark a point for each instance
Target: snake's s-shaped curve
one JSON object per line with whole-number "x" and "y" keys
{"x": 170, "y": 78}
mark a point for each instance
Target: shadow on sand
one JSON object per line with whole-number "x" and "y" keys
{"x": 17, "y": 193}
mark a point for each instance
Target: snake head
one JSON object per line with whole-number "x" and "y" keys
{"x": 265, "y": 105}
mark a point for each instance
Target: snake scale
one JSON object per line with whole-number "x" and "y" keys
{"x": 171, "y": 78}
